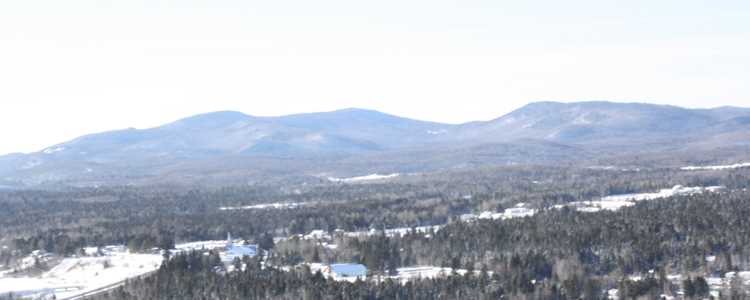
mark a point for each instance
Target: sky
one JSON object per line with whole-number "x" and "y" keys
{"x": 69, "y": 68}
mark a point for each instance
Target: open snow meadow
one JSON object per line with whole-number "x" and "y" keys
{"x": 76, "y": 276}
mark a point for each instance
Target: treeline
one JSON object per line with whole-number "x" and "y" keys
{"x": 574, "y": 253}
{"x": 146, "y": 217}
{"x": 554, "y": 255}
{"x": 198, "y": 276}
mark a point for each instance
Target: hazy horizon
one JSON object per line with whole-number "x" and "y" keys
{"x": 77, "y": 67}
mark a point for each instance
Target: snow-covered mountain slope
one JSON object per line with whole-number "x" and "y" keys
{"x": 229, "y": 145}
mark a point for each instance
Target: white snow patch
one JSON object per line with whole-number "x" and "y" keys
{"x": 30, "y": 260}
{"x": 616, "y": 202}
{"x": 716, "y": 168}
{"x": 519, "y": 211}
{"x": 201, "y": 245}
{"x": 53, "y": 150}
{"x": 606, "y": 168}
{"x": 370, "y": 177}
{"x": 75, "y": 276}
{"x": 437, "y": 132}
{"x": 664, "y": 193}
{"x": 263, "y": 206}
{"x": 397, "y": 232}
{"x": 318, "y": 234}
{"x": 426, "y": 272}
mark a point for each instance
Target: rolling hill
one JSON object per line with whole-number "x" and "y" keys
{"x": 234, "y": 147}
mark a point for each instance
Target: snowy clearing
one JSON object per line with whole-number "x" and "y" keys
{"x": 519, "y": 211}
{"x": 616, "y": 202}
{"x": 403, "y": 275}
{"x": 370, "y": 177}
{"x": 664, "y": 193}
{"x": 264, "y": 206}
{"x": 426, "y": 272}
{"x": 76, "y": 276}
{"x": 715, "y": 168}
{"x": 200, "y": 245}
{"x": 397, "y": 232}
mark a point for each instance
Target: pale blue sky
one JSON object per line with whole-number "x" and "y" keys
{"x": 73, "y": 67}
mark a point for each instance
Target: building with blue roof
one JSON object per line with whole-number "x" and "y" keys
{"x": 233, "y": 250}
{"x": 346, "y": 271}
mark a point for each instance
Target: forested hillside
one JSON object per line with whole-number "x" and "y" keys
{"x": 230, "y": 148}
{"x": 651, "y": 248}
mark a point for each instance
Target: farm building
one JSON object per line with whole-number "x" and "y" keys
{"x": 234, "y": 250}
{"x": 346, "y": 271}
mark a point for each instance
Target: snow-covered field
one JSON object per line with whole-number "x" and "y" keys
{"x": 715, "y": 168}
{"x": 664, "y": 193}
{"x": 264, "y": 206}
{"x": 75, "y": 276}
{"x": 616, "y": 202}
{"x": 370, "y": 177}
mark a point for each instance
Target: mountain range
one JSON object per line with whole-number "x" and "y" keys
{"x": 232, "y": 147}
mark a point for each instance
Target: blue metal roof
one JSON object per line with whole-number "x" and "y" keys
{"x": 349, "y": 270}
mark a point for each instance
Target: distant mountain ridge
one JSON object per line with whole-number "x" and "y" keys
{"x": 354, "y": 139}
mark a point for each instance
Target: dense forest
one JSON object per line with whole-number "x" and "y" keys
{"x": 197, "y": 276}
{"x": 555, "y": 254}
